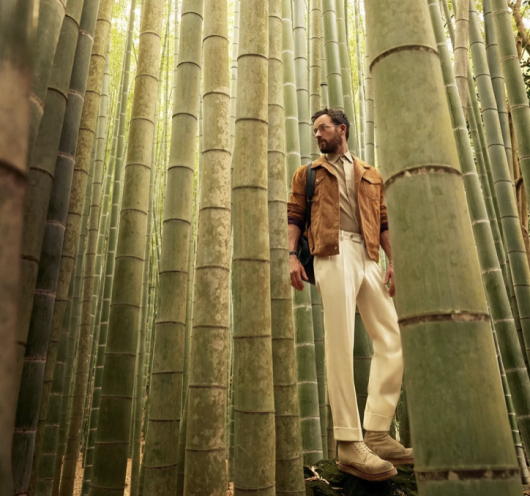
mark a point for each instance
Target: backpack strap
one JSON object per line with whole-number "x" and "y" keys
{"x": 309, "y": 191}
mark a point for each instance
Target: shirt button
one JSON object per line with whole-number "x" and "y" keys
{"x": 336, "y": 204}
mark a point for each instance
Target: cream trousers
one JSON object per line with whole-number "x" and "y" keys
{"x": 345, "y": 280}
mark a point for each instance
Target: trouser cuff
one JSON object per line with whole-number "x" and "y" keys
{"x": 347, "y": 434}
{"x": 378, "y": 423}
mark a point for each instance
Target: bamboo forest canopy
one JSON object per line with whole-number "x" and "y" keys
{"x": 151, "y": 342}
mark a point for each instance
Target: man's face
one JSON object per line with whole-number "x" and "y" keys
{"x": 328, "y": 134}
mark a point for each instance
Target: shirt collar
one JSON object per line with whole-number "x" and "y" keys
{"x": 333, "y": 158}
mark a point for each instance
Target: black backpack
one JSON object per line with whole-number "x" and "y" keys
{"x": 304, "y": 254}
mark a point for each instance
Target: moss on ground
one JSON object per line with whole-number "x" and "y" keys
{"x": 327, "y": 480}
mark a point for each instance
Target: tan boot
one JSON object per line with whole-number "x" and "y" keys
{"x": 356, "y": 459}
{"x": 388, "y": 449}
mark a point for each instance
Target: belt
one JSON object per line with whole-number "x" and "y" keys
{"x": 355, "y": 237}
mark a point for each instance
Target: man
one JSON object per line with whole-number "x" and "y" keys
{"x": 348, "y": 224}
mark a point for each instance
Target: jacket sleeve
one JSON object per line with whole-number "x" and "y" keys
{"x": 383, "y": 212}
{"x": 296, "y": 205}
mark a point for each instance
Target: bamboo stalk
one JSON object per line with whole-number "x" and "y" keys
{"x": 253, "y": 375}
{"x": 289, "y": 461}
{"x": 497, "y": 298}
{"x": 509, "y": 217}
{"x": 447, "y": 320}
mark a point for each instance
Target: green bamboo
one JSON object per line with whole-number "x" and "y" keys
{"x": 95, "y": 238}
{"x": 369, "y": 151}
{"x": 117, "y": 163}
{"x": 206, "y": 436}
{"x": 332, "y": 443}
{"x": 315, "y": 67}
{"x": 473, "y": 113}
{"x": 521, "y": 458}
{"x": 254, "y": 436}
{"x": 497, "y": 298}
{"x": 233, "y": 73}
{"x": 165, "y": 391}
{"x": 318, "y": 325}
{"x": 303, "y": 318}
{"x": 50, "y": 90}
{"x": 323, "y": 70}
{"x": 404, "y": 420}
{"x": 38, "y": 292}
{"x": 79, "y": 181}
{"x": 110, "y": 454}
{"x": 360, "y": 83}
{"x": 139, "y": 391}
{"x": 333, "y": 61}
{"x": 300, "y": 70}
{"x": 55, "y": 227}
{"x": 72, "y": 339}
{"x": 461, "y": 55}
{"x": 289, "y": 461}
{"x": 497, "y": 80}
{"x": 447, "y": 343}
{"x": 98, "y": 339}
{"x": 346, "y": 78}
{"x": 509, "y": 217}
{"x": 315, "y": 26}
{"x": 181, "y": 449}
{"x": 48, "y": 28}
{"x": 44, "y": 464}
{"x": 16, "y": 37}
{"x": 85, "y": 323}
{"x": 515, "y": 85}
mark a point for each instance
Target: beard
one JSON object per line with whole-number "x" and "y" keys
{"x": 330, "y": 145}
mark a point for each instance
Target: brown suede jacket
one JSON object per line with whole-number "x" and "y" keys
{"x": 323, "y": 235}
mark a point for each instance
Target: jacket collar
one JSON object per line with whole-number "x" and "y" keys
{"x": 359, "y": 165}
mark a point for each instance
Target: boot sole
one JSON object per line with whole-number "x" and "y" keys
{"x": 400, "y": 461}
{"x": 369, "y": 477}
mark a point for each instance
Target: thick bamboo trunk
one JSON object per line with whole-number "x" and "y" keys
{"x": 42, "y": 241}
{"x": 110, "y": 455}
{"x": 49, "y": 98}
{"x": 206, "y": 429}
{"x": 289, "y": 462}
{"x": 503, "y": 184}
{"x": 165, "y": 390}
{"x": 16, "y": 27}
{"x": 496, "y": 295}
{"x": 253, "y": 376}
{"x": 442, "y": 321}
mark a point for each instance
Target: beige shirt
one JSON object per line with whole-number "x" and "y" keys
{"x": 349, "y": 213}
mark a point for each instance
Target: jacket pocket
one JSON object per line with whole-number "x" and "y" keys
{"x": 371, "y": 187}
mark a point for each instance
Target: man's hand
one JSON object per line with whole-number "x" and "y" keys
{"x": 297, "y": 273}
{"x": 389, "y": 276}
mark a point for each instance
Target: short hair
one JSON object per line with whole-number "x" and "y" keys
{"x": 337, "y": 116}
